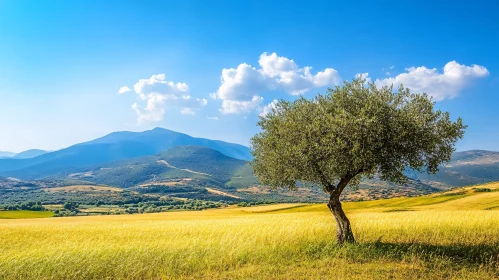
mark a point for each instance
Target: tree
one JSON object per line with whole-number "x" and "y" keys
{"x": 71, "y": 206}
{"x": 355, "y": 130}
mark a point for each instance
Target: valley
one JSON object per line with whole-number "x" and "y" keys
{"x": 124, "y": 169}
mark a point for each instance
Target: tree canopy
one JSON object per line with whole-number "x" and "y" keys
{"x": 354, "y": 130}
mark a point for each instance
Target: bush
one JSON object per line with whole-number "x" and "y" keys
{"x": 482, "y": 190}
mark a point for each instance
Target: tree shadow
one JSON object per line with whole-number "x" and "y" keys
{"x": 459, "y": 253}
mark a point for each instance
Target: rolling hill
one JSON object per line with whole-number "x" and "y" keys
{"x": 200, "y": 165}
{"x": 465, "y": 168}
{"x": 165, "y": 161}
{"x": 6, "y": 154}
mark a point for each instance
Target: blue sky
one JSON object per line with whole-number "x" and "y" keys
{"x": 210, "y": 68}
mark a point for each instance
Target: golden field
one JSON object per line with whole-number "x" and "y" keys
{"x": 441, "y": 236}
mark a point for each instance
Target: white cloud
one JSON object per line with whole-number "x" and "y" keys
{"x": 236, "y": 107}
{"x": 187, "y": 111}
{"x": 439, "y": 85}
{"x": 158, "y": 85}
{"x": 242, "y": 87}
{"x": 213, "y": 118}
{"x": 153, "y": 111}
{"x": 158, "y": 94}
{"x": 268, "y": 108}
{"x": 123, "y": 89}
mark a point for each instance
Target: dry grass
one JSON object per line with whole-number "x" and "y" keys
{"x": 169, "y": 183}
{"x": 218, "y": 192}
{"x": 268, "y": 242}
{"x": 80, "y": 188}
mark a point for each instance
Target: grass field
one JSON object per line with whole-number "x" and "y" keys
{"x": 21, "y": 214}
{"x": 442, "y": 236}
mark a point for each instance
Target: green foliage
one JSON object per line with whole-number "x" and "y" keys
{"x": 243, "y": 177}
{"x": 29, "y": 205}
{"x": 205, "y": 160}
{"x": 71, "y": 206}
{"x": 205, "y": 165}
{"x": 353, "y": 129}
{"x": 482, "y": 190}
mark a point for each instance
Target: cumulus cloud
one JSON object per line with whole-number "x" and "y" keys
{"x": 439, "y": 85}
{"x": 241, "y": 88}
{"x": 236, "y": 107}
{"x": 123, "y": 89}
{"x": 213, "y": 118}
{"x": 268, "y": 108}
{"x": 153, "y": 111}
{"x": 157, "y": 93}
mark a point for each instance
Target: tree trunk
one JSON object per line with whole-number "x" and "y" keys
{"x": 344, "y": 231}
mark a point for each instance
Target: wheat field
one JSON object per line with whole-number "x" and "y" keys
{"x": 410, "y": 238}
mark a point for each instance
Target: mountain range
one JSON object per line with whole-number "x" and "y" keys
{"x": 165, "y": 161}
{"x": 22, "y": 155}
{"x": 111, "y": 148}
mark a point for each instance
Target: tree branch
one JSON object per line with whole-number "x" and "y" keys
{"x": 345, "y": 180}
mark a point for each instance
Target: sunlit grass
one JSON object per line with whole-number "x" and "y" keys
{"x": 277, "y": 241}
{"x": 21, "y": 214}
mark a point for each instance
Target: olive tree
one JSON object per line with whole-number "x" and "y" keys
{"x": 353, "y": 131}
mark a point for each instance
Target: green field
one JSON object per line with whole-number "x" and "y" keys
{"x": 22, "y": 214}
{"x": 442, "y": 236}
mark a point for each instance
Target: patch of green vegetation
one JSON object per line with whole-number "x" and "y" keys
{"x": 454, "y": 193}
{"x": 25, "y": 214}
{"x": 482, "y": 190}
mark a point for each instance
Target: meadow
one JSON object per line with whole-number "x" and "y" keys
{"x": 454, "y": 235}
{"x": 22, "y": 214}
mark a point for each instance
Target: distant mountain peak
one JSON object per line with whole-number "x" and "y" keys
{"x": 29, "y": 154}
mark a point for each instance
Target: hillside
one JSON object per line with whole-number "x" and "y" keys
{"x": 161, "y": 139}
{"x": 111, "y": 148}
{"x": 156, "y": 162}
{"x": 465, "y": 168}
{"x": 185, "y": 172}
{"x": 200, "y": 165}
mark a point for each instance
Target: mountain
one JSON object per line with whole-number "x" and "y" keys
{"x": 72, "y": 158}
{"x": 29, "y": 154}
{"x": 110, "y": 148}
{"x": 6, "y": 154}
{"x": 127, "y": 159}
{"x": 465, "y": 168}
{"x": 119, "y": 171}
{"x": 161, "y": 139}
{"x": 187, "y": 164}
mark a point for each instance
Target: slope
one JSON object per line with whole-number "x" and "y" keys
{"x": 6, "y": 154}
{"x": 72, "y": 158}
{"x": 199, "y": 164}
{"x": 163, "y": 139}
{"x": 29, "y": 154}
{"x": 465, "y": 168}
{"x": 113, "y": 147}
